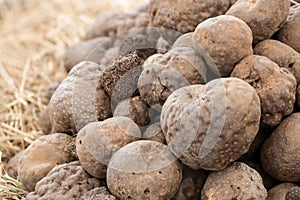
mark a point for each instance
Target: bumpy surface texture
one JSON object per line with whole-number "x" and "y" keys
{"x": 42, "y": 155}
{"x": 177, "y": 68}
{"x": 290, "y": 32}
{"x": 264, "y": 17}
{"x": 279, "y": 153}
{"x": 143, "y": 170}
{"x": 226, "y": 46}
{"x": 184, "y": 15}
{"x": 238, "y": 181}
{"x": 268, "y": 181}
{"x": 281, "y": 54}
{"x": 134, "y": 108}
{"x": 278, "y": 192}
{"x": 66, "y": 181}
{"x": 98, "y": 141}
{"x": 275, "y": 86}
{"x": 293, "y": 194}
{"x": 99, "y": 193}
{"x": 154, "y": 133}
{"x": 119, "y": 79}
{"x": 78, "y": 90}
{"x": 207, "y": 126}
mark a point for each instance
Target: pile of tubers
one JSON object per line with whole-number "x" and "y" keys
{"x": 178, "y": 100}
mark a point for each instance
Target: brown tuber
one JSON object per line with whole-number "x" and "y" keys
{"x": 13, "y": 164}
{"x": 42, "y": 155}
{"x": 184, "y": 15}
{"x": 238, "y": 181}
{"x": 279, "y": 153}
{"x": 98, "y": 141}
{"x": 207, "y": 126}
{"x": 143, "y": 170}
{"x": 177, "y": 68}
{"x": 281, "y": 54}
{"x": 264, "y": 17}
{"x": 293, "y": 193}
{"x": 227, "y": 40}
{"x": 119, "y": 79}
{"x": 78, "y": 101}
{"x": 66, "y": 181}
{"x": 290, "y": 32}
{"x": 135, "y": 109}
{"x": 279, "y": 192}
{"x": 275, "y": 86}
{"x": 154, "y": 133}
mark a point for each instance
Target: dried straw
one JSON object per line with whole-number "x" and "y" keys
{"x": 34, "y": 35}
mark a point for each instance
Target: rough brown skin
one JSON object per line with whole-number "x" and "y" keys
{"x": 226, "y": 46}
{"x": 290, "y": 33}
{"x": 268, "y": 181}
{"x": 264, "y": 17}
{"x": 143, "y": 170}
{"x": 119, "y": 79}
{"x": 78, "y": 101}
{"x": 42, "y": 155}
{"x": 293, "y": 193}
{"x": 191, "y": 184}
{"x": 91, "y": 50}
{"x": 154, "y": 133}
{"x": 177, "y": 68}
{"x": 275, "y": 86}
{"x": 135, "y": 109}
{"x": 65, "y": 181}
{"x": 99, "y": 193}
{"x": 278, "y": 192}
{"x": 280, "y": 152}
{"x": 12, "y": 166}
{"x": 45, "y": 121}
{"x": 281, "y": 54}
{"x": 207, "y": 127}
{"x": 184, "y": 15}
{"x": 98, "y": 141}
{"x": 111, "y": 24}
{"x": 238, "y": 181}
